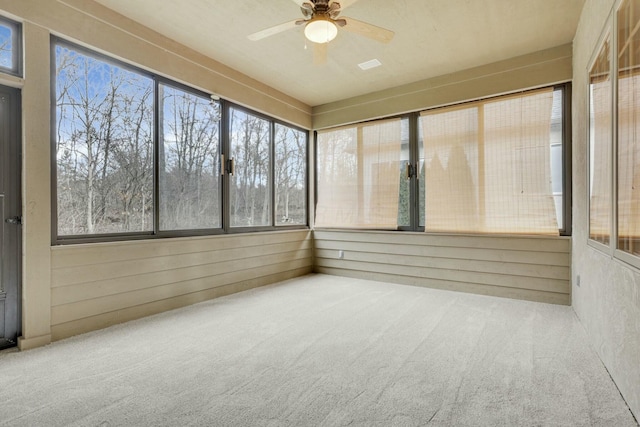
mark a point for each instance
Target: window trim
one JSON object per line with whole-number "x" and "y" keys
{"x": 224, "y": 148}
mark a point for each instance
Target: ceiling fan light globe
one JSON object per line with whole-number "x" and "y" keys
{"x": 320, "y": 31}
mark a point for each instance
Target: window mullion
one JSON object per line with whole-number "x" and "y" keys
{"x": 414, "y": 184}
{"x": 272, "y": 171}
{"x": 158, "y": 119}
{"x": 613, "y": 52}
{"x": 566, "y": 160}
{"x": 360, "y": 176}
{"x": 225, "y": 153}
{"x": 482, "y": 204}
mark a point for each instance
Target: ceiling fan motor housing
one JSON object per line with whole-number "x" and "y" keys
{"x": 320, "y": 7}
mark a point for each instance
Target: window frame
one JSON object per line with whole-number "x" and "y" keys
{"x": 16, "y": 51}
{"x": 227, "y": 156}
{"x": 156, "y": 164}
{"x": 224, "y": 150}
{"x": 414, "y": 179}
{"x": 274, "y": 123}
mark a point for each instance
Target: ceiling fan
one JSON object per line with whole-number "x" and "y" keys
{"x": 321, "y": 20}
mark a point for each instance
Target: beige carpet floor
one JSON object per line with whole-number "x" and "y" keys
{"x": 322, "y": 350}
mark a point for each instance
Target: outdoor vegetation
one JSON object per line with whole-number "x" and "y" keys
{"x": 105, "y": 121}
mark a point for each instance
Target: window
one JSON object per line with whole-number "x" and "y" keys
{"x": 251, "y": 156}
{"x": 10, "y": 47}
{"x": 490, "y": 166}
{"x": 141, "y": 156}
{"x": 600, "y": 140}
{"x": 614, "y": 166}
{"x": 290, "y": 176}
{"x": 104, "y": 146}
{"x": 452, "y": 184}
{"x": 189, "y": 152}
{"x": 628, "y": 155}
{"x": 359, "y": 171}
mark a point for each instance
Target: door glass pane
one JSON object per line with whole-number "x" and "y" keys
{"x": 250, "y": 193}
{"x": 291, "y": 176}
{"x": 189, "y": 161}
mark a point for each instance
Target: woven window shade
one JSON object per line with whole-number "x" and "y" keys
{"x": 451, "y": 176}
{"x": 600, "y": 140}
{"x": 629, "y": 128}
{"x": 359, "y": 176}
{"x": 489, "y": 166}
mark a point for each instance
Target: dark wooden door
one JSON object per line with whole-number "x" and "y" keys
{"x": 10, "y": 206}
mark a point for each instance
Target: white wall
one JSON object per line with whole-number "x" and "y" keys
{"x": 608, "y": 298}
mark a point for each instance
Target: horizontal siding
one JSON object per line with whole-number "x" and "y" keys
{"x": 94, "y": 286}
{"x": 531, "y": 268}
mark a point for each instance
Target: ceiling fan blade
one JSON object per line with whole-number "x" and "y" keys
{"x": 319, "y": 53}
{"x": 368, "y": 30}
{"x": 272, "y": 30}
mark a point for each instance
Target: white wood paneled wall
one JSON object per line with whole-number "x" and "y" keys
{"x": 97, "y": 285}
{"x": 530, "y": 268}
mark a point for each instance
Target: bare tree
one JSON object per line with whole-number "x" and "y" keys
{"x": 290, "y": 186}
{"x": 250, "y": 187}
{"x": 190, "y": 150}
{"x": 104, "y": 145}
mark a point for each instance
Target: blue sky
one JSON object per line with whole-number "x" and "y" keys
{"x": 6, "y": 42}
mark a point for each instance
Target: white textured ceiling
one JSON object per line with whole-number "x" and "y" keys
{"x": 432, "y": 37}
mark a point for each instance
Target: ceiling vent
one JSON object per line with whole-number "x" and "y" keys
{"x": 367, "y": 65}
